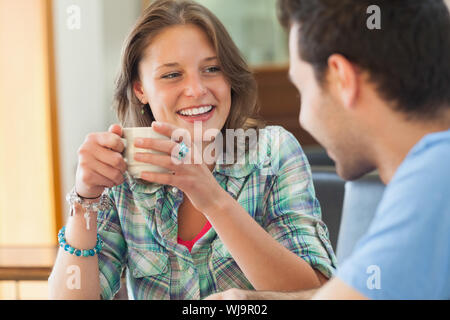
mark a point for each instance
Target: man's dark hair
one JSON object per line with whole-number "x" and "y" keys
{"x": 408, "y": 58}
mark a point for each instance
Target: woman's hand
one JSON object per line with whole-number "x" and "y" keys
{"x": 100, "y": 163}
{"x": 195, "y": 180}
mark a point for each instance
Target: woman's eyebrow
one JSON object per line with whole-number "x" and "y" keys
{"x": 175, "y": 64}
{"x": 168, "y": 65}
{"x": 210, "y": 58}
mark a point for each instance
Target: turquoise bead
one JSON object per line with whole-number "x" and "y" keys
{"x": 85, "y": 253}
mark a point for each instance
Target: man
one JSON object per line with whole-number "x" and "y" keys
{"x": 376, "y": 95}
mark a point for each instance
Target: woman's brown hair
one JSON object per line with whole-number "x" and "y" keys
{"x": 161, "y": 14}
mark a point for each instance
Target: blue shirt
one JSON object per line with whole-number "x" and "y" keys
{"x": 406, "y": 251}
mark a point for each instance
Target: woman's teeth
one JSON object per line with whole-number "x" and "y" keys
{"x": 196, "y": 111}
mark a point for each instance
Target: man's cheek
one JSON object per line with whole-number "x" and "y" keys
{"x": 305, "y": 115}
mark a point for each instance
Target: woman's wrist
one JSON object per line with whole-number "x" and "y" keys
{"x": 89, "y": 204}
{"x": 86, "y": 252}
{"x": 77, "y": 233}
{"x": 218, "y": 200}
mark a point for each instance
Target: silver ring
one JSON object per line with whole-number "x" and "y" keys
{"x": 183, "y": 151}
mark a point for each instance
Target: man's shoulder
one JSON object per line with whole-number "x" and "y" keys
{"x": 427, "y": 166}
{"x": 421, "y": 185}
{"x": 431, "y": 149}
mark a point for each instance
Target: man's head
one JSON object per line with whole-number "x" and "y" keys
{"x": 350, "y": 76}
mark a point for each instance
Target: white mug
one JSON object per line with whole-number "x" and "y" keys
{"x": 135, "y": 168}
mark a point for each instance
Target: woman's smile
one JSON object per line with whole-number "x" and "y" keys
{"x": 197, "y": 113}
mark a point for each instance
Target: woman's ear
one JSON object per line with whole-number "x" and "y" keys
{"x": 139, "y": 92}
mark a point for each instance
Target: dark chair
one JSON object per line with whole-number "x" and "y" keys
{"x": 317, "y": 156}
{"x": 330, "y": 190}
{"x": 360, "y": 203}
{"x": 347, "y": 207}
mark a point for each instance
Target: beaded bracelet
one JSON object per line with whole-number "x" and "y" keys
{"x": 101, "y": 204}
{"x": 77, "y": 252}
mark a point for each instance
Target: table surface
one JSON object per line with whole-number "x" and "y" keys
{"x": 26, "y": 263}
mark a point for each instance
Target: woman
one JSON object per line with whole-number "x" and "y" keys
{"x": 203, "y": 228}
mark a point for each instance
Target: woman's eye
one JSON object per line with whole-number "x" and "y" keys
{"x": 171, "y": 75}
{"x": 212, "y": 69}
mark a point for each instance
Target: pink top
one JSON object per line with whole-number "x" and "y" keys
{"x": 189, "y": 244}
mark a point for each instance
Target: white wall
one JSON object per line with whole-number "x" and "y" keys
{"x": 254, "y": 27}
{"x": 87, "y": 60}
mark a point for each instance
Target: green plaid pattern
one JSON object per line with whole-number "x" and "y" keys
{"x": 140, "y": 229}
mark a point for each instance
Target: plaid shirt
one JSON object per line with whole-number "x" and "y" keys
{"x": 140, "y": 230}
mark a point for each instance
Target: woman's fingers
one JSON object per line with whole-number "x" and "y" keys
{"x": 116, "y": 129}
{"x": 91, "y": 179}
{"x": 108, "y": 172}
{"x": 88, "y": 163}
{"x": 108, "y": 140}
{"x": 111, "y": 158}
{"x": 171, "y": 148}
{"x": 181, "y": 154}
{"x": 163, "y": 128}
{"x": 100, "y": 163}
{"x": 159, "y": 178}
{"x": 165, "y": 146}
{"x": 171, "y": 131}
{"x": 160, "y": 160}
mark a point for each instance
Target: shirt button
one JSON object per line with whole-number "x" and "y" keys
{"x": 174, "y": 190}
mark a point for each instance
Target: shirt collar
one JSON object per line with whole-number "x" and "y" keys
{"x": 236, "y": 170}
{"x": 141, "y": 186}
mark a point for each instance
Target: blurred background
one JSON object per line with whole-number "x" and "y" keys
{"x": 58, "y": 62}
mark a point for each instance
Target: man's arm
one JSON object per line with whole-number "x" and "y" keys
{"x": 334, "y": 289}
{"x": 238, "y": 294}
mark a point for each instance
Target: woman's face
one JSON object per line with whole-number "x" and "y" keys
{"x": 181, "y": 79}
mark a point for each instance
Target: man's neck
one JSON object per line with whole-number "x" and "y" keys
{"x": 396, "y": 139}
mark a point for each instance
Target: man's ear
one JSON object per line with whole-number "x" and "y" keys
{"x": 345, "y": 79}
{"x": 139, "y": 92}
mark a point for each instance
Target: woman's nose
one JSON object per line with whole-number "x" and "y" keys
{"x": 195, "y": 87}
